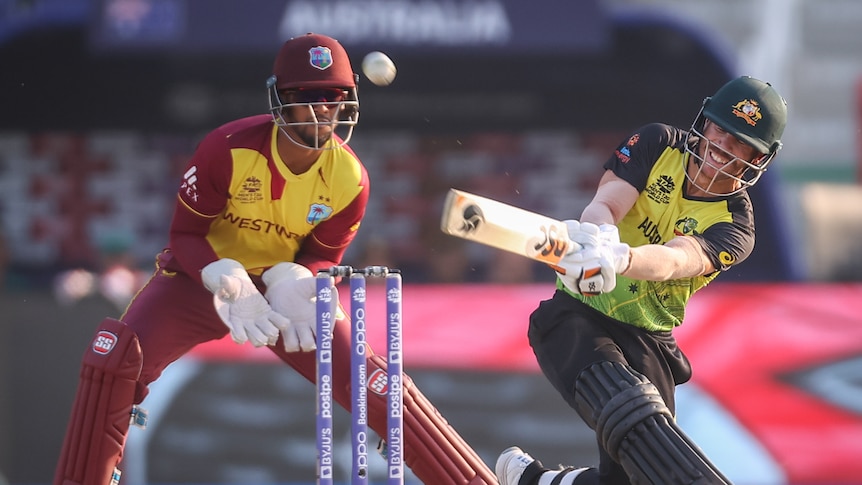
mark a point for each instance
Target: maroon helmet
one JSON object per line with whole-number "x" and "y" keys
{"x": 311, "y": 71}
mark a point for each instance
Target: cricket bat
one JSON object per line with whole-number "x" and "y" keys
{"x": 503, "y": 226}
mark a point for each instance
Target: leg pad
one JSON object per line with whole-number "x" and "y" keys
{"x": 637, "y": 429}
{"x": 101, "y": 412}
{"x": 434, "y": 451}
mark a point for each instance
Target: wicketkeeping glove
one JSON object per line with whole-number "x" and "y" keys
{"x": 292, "y": 291}
{"x": 240, "y": 305}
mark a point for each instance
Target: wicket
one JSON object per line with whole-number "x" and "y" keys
{"x": 391, "y": 384}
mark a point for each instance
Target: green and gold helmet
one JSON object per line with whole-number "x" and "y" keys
{"x": 753, "y": 112}
{"x": 750, "y": 109}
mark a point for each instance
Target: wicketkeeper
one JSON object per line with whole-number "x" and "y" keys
{"x": 264, "y": 203}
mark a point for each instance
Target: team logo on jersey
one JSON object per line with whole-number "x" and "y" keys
{"x": 250, "y": 191}
{"x": 660, "y": 189}
{"x": 748, "y": 110}
{"x": 318, "y": 213}
{"x": 104, "y": 342}
{"x": 686, "y": 226}
{"x": 320, "y": 57}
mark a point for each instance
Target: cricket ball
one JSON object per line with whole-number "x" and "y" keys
{"x": 378, "y": 68}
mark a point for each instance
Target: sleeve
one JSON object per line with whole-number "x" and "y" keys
{"x": 326, "y": 244}
{"x": 203, "y": 194}
{"x": 730, "y": 243}
{"x": 634, "y": 158}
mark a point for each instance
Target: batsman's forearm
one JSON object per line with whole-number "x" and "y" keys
{"x": 655, "y": 262}
{"x": 597, "y": 214}
{"x": 612, "y": 201}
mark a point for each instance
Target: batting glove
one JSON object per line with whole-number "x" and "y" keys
{"x": 240, "y": 305}
{"x": 586, "y": 273}
{"x": 291, "y": 290}
{"x": 605, "y": 238}
{"x": 588, "y": 234}
{"x": 591, "y": 269}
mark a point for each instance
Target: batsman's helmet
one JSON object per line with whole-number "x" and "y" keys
{"x": 313, "y": 70}
{"x": 752, "y": 111}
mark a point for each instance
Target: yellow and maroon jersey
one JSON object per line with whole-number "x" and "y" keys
{"x": 653, "y": 160}
{"x": 238, "y": 200}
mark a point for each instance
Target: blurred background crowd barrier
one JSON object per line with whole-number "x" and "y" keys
{"x": 103, "y": 102}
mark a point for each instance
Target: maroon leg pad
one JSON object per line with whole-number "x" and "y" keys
{"x": 99, "y": 422}
{"x": 434, "y": 451}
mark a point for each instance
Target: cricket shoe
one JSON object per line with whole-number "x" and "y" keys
{"x": 514, "y": 467}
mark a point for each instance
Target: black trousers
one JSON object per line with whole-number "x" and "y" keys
{"x": 568, "y": 336}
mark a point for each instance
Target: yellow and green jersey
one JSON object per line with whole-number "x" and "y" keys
{"x": 653, "y": 160}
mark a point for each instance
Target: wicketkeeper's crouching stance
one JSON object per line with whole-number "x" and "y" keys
{"x": 128, "y": 354}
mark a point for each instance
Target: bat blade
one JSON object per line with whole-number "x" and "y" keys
{"x": 506, "y": 227}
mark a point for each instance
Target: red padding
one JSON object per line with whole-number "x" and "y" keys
{"x": 99, "y": 422}
{"x": 434, "y": 451}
